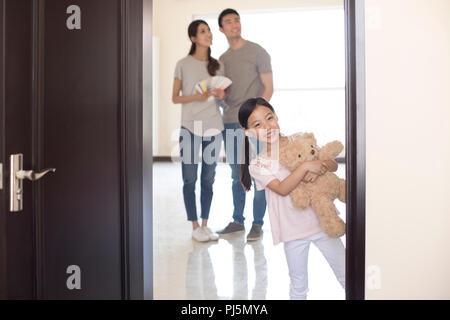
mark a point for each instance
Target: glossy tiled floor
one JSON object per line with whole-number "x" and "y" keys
{"x": 228, "y": 268}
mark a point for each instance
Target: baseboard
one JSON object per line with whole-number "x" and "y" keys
{"x": 177, "y": 159}
{"x": 165, "y": 159}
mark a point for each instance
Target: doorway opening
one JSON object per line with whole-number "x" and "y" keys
{"x": 317, "y": 95}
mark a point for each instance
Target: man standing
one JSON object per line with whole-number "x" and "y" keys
{"x": 248, "y": 65}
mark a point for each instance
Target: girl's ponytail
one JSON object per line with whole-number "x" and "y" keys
{"x": 246, "y": 180}
{"x": 192, "y": 50}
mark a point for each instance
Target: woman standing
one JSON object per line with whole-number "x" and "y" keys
{"x": 201, "y": 125}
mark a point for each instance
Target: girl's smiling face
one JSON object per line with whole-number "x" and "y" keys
{"x": 203, "y": 37}
{"x": 263, "y": 124}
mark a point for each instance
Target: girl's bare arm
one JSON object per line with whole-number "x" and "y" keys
{"x": 331, "y": 165}
{"x": 284, "y": 187}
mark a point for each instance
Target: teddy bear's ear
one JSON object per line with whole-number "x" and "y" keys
{"x": 310, "y": 137}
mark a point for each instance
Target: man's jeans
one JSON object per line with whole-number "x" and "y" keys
{"x": 189, "y": 150}
{"x": 233, "y": 137}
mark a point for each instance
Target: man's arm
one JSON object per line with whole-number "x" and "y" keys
{"x": 267, "y": 81}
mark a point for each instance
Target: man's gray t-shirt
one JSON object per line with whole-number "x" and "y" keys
{"x": 244, "y": 67}
{"x": 205, "y": 113}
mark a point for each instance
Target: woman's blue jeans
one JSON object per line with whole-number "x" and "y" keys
{"x": 233, "y": 137}
{"x": 189, "y": 150}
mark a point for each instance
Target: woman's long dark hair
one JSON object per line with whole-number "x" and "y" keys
{"x": 245, "y": 111}
{"x": 213, "y": 64}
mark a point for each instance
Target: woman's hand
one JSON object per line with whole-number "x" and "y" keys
{"x": 202, "y": 96}
{"x": 218, "y": 94}
{"x": 177, "y": 98}
{"x": 316, "y": 166}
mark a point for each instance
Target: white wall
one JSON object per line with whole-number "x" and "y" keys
{"x": 171, "y": 19}
{"x": 408, "y": 147}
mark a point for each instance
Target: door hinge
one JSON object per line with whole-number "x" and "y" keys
{"x": 1, "y": 176}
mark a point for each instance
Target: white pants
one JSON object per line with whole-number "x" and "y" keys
{"x": 297, "y": 259}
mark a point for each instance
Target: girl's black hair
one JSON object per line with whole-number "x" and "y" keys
{"x": 245, "y": 111}
{"x": 213, "y": 64}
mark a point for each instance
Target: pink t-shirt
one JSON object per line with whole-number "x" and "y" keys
{"x": 287, "y": 223}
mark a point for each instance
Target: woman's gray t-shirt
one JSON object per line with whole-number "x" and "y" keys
{"x": 199, "y": 117}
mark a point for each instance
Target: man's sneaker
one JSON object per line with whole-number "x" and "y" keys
{"x": 232, "y": 227}
{"x": 200, "y": 235}
{"x": 255, "y": 233}
{"x": 212, "y": 235}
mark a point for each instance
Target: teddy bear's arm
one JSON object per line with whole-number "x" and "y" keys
{"x": 330, "y": 151}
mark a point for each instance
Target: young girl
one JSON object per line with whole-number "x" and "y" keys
{"x": 201, "y": 125}
{"x": 295, "y": 228}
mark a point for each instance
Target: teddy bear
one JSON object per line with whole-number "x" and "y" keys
{"x": 321, "y": 193}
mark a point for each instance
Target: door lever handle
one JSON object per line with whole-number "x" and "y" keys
{"x": 31, "y": 175}
{"x": 17, "y": 176}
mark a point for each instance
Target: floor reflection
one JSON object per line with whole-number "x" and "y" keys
{"x": 229, "y": 268}
{"x": 200, "y": 277}
{"x": 260, "y": 289}
{"x": 220, "y": 270}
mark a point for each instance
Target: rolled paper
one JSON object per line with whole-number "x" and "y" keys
{"x": 222, "y": 104}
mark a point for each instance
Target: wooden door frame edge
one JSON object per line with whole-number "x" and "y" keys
{"x": 3, "y": 205}
{"x": 356, "y": 149}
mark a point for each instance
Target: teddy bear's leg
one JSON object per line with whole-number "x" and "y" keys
{"x": 300, "y": 198}
{"x": 331, "y": 224}
{"x": 342, "y": 191}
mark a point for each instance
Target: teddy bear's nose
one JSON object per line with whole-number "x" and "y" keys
{"x": 313, "y": 152}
